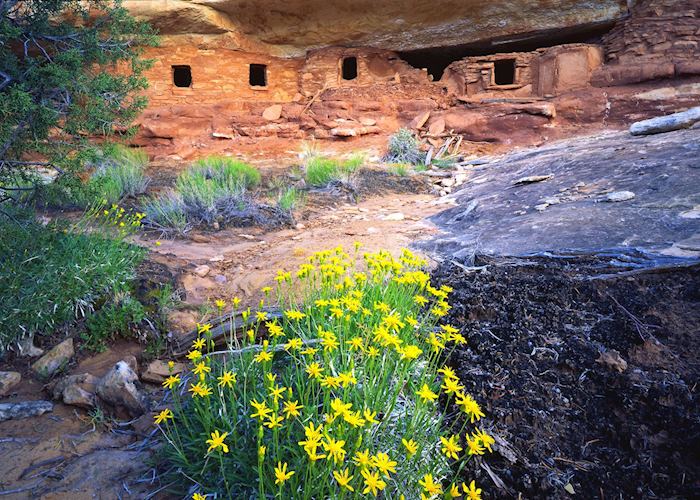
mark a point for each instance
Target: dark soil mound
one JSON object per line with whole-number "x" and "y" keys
{"x": 540, "y": 359}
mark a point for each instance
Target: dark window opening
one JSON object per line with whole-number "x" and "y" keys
{"x": 258, "y": 75}
{"x": 182, "y": 76}
{"x": 504, "y": 72}
{"x": 349, "y": 68}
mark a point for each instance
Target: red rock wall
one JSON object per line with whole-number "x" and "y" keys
{"x": 659, "y": 39}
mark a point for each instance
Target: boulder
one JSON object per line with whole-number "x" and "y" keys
{"x": 8, "y": 380}
{"x": 55, "y": 359}
{"x": 437, "y": 127}
{"x": 120, "y": 388}
{"x": 24, "y": 409}
{"x": 158, "y": 370}
{"x": 675, "y": 121}
{"x": 76, "y": 390}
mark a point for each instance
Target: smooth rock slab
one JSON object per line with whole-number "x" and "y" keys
{"x": 24, "y": 409}
{"x": 660, "y": 124}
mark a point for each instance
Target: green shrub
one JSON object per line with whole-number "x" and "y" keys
{"x": 289, "y": 199}
{"x": 320, "y": 171}
{"x": 115, "y": 318}
{"x": 400, "y": 169}
{"x": 52, "y": 275}
{"x": 120, "y": 173}
{"x": 226, "y": 171}
{"x": 404, "y": 148}
{"x": 167, "y": 212}
{"x": 339, "y": 399}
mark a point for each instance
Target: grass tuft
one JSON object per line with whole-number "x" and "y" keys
{"x": 404, "y": 148}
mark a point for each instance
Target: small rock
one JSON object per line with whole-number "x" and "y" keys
{"x": 612, "y": 359}
{"x": 693, "y": 213}
{"x": 617, "y": 196}
{"x": 300, "y": 226}
{"x": 448, "y": 182}
{"x": 158, "y": 370}
{"x": 119, "y": 388}
{"x": 368, "y": 122}
{"x": 8, "y": 380}
{"x": 461, "y": 179}
{"x": 55, "y": 359}
{"x": 76, "y": 390}
{"x": 202, "y": 270}
{"x": 395, "y": 216}
{"x": 24, "y": 409}
{"x": 217, "y": 258}
{"x": 220, "y": 278}
{"x": 247, "y": 236}
{"x": 273, "y": 112}
{"x": 542, "y": 207}
{"x": 420, "y": 120}
{"x": 437, "y": 127}
{"x": 372, "y": 230}
{"x": 552, "y": 201}
{"x": 532, "y": 178}
{"x": 27, "y": 348}
{"x": 221, "y": 135}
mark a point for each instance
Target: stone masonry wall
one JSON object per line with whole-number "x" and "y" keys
{"x": 218, "y": 75}
{"x": 660, "y": 39}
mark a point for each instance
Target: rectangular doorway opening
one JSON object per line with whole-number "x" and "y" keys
{"x": 349, "y": 69}
{"x": 258, "y": 75}
{"x": 182, "y": 76}
{"x": 504, "y": 72}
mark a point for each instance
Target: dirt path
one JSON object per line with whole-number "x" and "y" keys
{"x": 243, "y": 260}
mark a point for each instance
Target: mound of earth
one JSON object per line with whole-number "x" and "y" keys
{"x": 587, "y": 372}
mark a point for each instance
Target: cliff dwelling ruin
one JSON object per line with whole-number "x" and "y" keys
{"x": 581, "y": 68}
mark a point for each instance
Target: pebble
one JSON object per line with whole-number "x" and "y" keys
{"x": 617, "y": 196}
{"x": 202, "y": 270}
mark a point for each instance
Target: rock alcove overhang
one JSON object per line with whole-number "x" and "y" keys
{"x": 294, "y": 26}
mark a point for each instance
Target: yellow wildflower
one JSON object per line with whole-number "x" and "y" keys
{"x": 294, "y": 314}
{"x": 486, "y": 440}
{"x": 343, "y": 479}
{"x": 261, "y": 315}
{"x": 266, "y": 290}
{"x": 355, "y": 343}
{"x": 262, "y": 410}
{"x": 334, "y": 448}
{"x": 200, "y": 389}
{"x": 362, "y": 458}
{"x": 197, "y": 496}
{"x": 220, "y": 304}
{"x": 384, "y": 463}
{"x": 430, "y": 486}
{"x": 450, "y": 447}
{"x": 274, "y": 329}
{"x": 373, "y": 483}
{"x": 370, "y": 416}
{"x": 410, "y": 445}
{"x": 473, "y": 493}
{"x": 426, "y": 394}
{"x": 227, "y": 378}
{"x": 236, "y": 301}
{"x": 451, "y": 385}
{"x": 291, "y": 408}
{"x": 217, "y": 441}
{"x": 205, "y": 328}
{"x": 314, "y": 370}
{"x": 198, "y": 344}
{"x": 194, "y": 355}
{"x": 474, "y": 446}
{"x": 281, "y": 474}
{"x": 293, "y": 344}
{"x": 171, "y": 381}
{"x": 420, "y": 300}
{"x": 201, "y": 368}
{"x": 274, "y": 422}
{"x": 163, "y": 416}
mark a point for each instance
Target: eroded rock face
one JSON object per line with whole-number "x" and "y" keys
{"x": 394, "y": 25}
